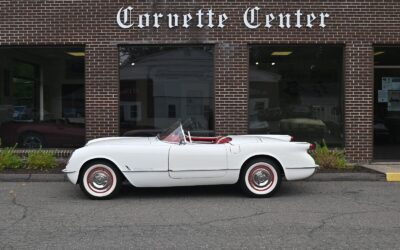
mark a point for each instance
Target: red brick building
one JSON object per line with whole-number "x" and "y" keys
{"x": 75, "y": 70}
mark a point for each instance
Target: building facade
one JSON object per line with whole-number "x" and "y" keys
{"x": 326, "y": 71}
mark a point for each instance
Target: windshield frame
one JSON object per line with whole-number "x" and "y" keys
{"x": 173, "y": 134}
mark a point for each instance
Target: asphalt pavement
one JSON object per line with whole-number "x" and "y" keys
{"x": 303, "y": 215}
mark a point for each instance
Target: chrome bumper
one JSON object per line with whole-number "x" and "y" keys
{"x": 71, "y": 175}
{"x": 66, "y": 171}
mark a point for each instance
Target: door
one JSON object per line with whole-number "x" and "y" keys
{"x": 387, "y": 103}
{"x": 387, "y": 114}
{"x": 193, "y": 160}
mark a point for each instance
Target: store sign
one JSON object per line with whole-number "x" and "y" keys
{"x": 253, "y": 18}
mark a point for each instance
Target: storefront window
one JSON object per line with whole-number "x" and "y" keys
{"x": 297, "y": 90}
{"x": 161, "y": 84}
{"x": 41, "y": 105}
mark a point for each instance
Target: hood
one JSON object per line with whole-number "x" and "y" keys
{"x": 119, "y": 141}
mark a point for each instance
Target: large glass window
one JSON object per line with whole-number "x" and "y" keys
{"x": 160, "y": 84}
{"x": 297, "y": 90}
{"x": 42, "y": 97}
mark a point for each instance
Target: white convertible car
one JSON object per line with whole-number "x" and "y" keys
{"x": 175, "y": 158}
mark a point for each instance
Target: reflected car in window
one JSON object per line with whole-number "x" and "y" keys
{"x": 59, "y": 133}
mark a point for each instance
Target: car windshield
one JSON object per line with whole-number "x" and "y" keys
{"x": 173, "y": 134}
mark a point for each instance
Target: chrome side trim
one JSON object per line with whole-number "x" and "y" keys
{"x": 144, "y": 171}
{"x": 316, "y": 166}
{"x": 202, "y": 170}
{"x": 165, "y": 171}
{"x": 67, "y": 171}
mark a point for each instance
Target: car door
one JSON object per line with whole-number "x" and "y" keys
{"x": 192, "y": 160}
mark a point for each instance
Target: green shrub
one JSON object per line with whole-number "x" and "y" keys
{"x": 8, "y": 159}
{"x": 39, "y": 159}
{"x": 328, "y": 158}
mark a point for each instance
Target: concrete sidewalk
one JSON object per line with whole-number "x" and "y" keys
{"x": 357, "y": 176}
{"x": 390, "y": 169}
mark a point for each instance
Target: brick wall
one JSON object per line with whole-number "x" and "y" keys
{"x": 357, "y": 24}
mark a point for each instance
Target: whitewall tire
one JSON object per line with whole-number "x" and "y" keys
{"x": 100, "y": 180}
{"x": 260, "y": 178}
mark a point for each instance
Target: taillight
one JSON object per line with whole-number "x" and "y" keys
{"x": 311, "y": 147}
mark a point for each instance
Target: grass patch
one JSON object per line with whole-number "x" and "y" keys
{"x": 8, "y": 159}
{"x": 39, "y": 159}
{"x": 329, "y": 158}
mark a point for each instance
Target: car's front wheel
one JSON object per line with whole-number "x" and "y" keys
{"x": 100, "y": 180}
{"x": 260, "y": 178}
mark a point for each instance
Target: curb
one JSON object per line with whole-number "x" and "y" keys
{"x": 393, "y": 177}
{"x": 317, "y": 177}
{"x": 347, "y": 177}
{"x": 390, "y": 169}
{"x": 33, "y": 178}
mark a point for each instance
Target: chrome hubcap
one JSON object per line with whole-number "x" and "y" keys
{"x": 261, "y": 178}
{"x": 100, "y": 180}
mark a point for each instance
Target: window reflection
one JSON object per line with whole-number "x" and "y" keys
{"x": 160, "y": 84}
{"x": 42, "y": 97}
{"x": 296, "y": 90}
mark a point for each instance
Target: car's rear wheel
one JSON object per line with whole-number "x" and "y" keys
{"x": 32, "y": 140}
{"x": 100, "y": 180}
{"x": 260, "y": 178}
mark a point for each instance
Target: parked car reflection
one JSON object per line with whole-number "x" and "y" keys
{"x": 57, "y": 133}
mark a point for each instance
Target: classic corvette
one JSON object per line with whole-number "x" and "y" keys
{"x": 175, "y": 158}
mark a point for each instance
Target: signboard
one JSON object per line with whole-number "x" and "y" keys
{"x": 253, "y": 18}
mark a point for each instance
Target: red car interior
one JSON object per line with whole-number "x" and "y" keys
{"x": 209, "y": 140}
{"x": 212, "y": 140}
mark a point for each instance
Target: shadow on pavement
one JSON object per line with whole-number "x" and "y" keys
{"x": 174, "y": 192}
{"x": 218, "y": 191}
{"x": 200, "y": 191}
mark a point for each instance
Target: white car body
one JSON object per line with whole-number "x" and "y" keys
{"x": 151, "y": 162}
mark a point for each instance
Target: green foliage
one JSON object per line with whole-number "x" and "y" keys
{"x": 39, "y": 159}
{"x": 8, "y": 159}
{"x": 329, "y": 158}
